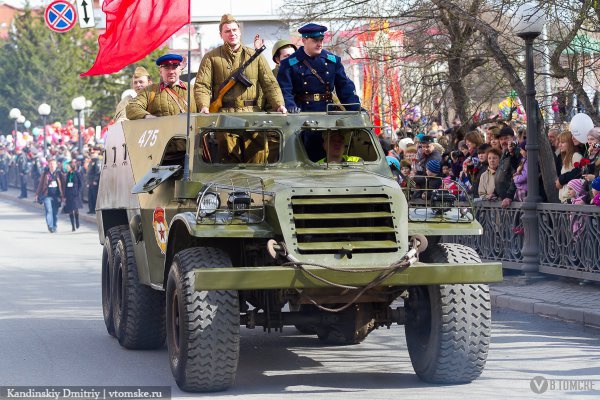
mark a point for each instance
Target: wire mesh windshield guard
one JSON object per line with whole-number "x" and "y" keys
{"x": 437, "y": 201}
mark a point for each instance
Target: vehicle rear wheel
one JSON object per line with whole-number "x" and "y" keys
{"x": 448, "y": 326}
{"x": 203, "y": 327}
{"x": 138, "y": 310}
{"x": 110, "y": 243}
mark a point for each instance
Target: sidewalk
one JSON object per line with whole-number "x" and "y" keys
{"x": 556, "y": 298}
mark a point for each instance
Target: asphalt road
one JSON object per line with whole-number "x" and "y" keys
{"x": 52, "y": 333}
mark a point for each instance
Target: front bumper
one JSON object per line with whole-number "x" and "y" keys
{"x": 280, "y": 277}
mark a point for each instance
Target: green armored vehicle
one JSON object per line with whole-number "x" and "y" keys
{"x": 239, "y": 220}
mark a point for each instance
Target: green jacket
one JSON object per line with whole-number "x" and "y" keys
{"x": 218, "y": 64}
{"x": 153, "y": 100}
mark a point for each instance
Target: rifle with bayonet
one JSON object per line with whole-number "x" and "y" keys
{"x": 237, "y": 76}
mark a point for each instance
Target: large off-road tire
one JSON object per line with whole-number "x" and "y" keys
{"x": 448, "y": 326}
{"x": 110, "y": 243}
{"x": 357, "y": 323}
{"x": 138, "y": 310}
{"x": 203, "y": 327}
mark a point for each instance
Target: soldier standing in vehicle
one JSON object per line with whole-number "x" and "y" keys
{"x": 309, "y": 77}
{"x": 169, "y": 97}
{"x": 282, "y": 49}
{"x": 139, "y": 81}
{"x": 219, "y": 64}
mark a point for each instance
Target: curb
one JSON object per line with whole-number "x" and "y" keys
{"x": 546, "y": 309}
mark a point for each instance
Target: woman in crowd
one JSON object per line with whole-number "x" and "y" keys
{"x": 568, "y": 158}
{"x": 73, "y": 188}
{"x": 592, "y": 169}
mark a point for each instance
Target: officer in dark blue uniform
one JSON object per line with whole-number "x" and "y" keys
{"x": 309, "y": 77}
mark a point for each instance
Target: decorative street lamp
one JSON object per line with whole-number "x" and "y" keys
{"x": 21, "y": 119}
{"x": 530, "y": 20}
{"x": 44, "y": 110}
{"x": 78, "y": 104}
{"x": 15, "y": 113}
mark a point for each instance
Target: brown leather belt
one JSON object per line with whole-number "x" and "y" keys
{"x": 314, "y": 97}
{"x": 239, "y": 103}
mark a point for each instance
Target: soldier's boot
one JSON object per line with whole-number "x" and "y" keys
{"x": 72, "y": 218}
{"x": 76, "y": 219}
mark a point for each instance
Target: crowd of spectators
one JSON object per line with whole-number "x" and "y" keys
{"x": 25, "y": 154}
{"x": 490, "y": 162}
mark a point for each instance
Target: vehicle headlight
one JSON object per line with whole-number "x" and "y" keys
{"x": 209, "y": 203}
{"x": 239, "y": 202}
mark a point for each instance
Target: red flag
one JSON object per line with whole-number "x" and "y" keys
{"x": 134, "y": 28}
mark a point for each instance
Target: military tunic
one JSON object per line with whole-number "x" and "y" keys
{"x": 218, "y": 64}
{"x": 156, "y": 100}
{"x": 121, "y": 111}
{"x": 301, "y": 88}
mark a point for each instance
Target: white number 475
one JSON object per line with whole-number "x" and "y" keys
{"x": 148, "y": 138}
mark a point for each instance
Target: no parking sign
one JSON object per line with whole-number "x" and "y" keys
{"x": 60, "y": 16}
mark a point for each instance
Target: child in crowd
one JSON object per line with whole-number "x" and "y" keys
{"x": 445, "y": 170}
{"x": 405, "y": 175}
{"x": 576, "y": 195}
{"x": 595, "y": 188}
{"x": 520, "y": 176}
{"x": 433, "y": 170}
{"x": 575, "y": 192}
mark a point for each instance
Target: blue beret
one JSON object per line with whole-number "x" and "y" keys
{"x": 434, "y": 166}
{"x": 312, "y": 30}
{"x": 169, "y": 59}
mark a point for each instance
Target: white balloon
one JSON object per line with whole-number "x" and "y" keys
{"x": 581, "y": 124}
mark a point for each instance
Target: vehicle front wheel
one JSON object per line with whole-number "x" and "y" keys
{"x": 448, "y": 326}
{"x": 203, "y": 327}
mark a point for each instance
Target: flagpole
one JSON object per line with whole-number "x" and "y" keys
{"x": 186, "y": 160}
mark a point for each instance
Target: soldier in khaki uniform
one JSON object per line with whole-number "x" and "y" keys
{"x": 282, "y": 49}
{"x": 169, "y": 97}
{"x": 218, "y": 64}
{"x": 139, "y": 81}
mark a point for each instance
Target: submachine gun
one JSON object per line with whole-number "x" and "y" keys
{"x": 237, "y": 76}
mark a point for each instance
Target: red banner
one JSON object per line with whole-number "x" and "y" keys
{"x": 134, "y": 28}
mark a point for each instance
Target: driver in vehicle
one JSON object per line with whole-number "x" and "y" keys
{"x": 335, "y": 146}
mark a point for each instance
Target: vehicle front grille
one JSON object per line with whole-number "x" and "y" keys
{"x": 344, "y": 224}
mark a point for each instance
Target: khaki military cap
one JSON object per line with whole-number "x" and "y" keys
{"x": 225, "y": 19}
{"x": 139, "y": 72}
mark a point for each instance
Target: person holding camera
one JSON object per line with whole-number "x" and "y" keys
{"x": 505, "y": 188}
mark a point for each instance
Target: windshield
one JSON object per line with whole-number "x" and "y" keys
{"x": 338, "y": 145}
{"x": 240, "y": 147}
